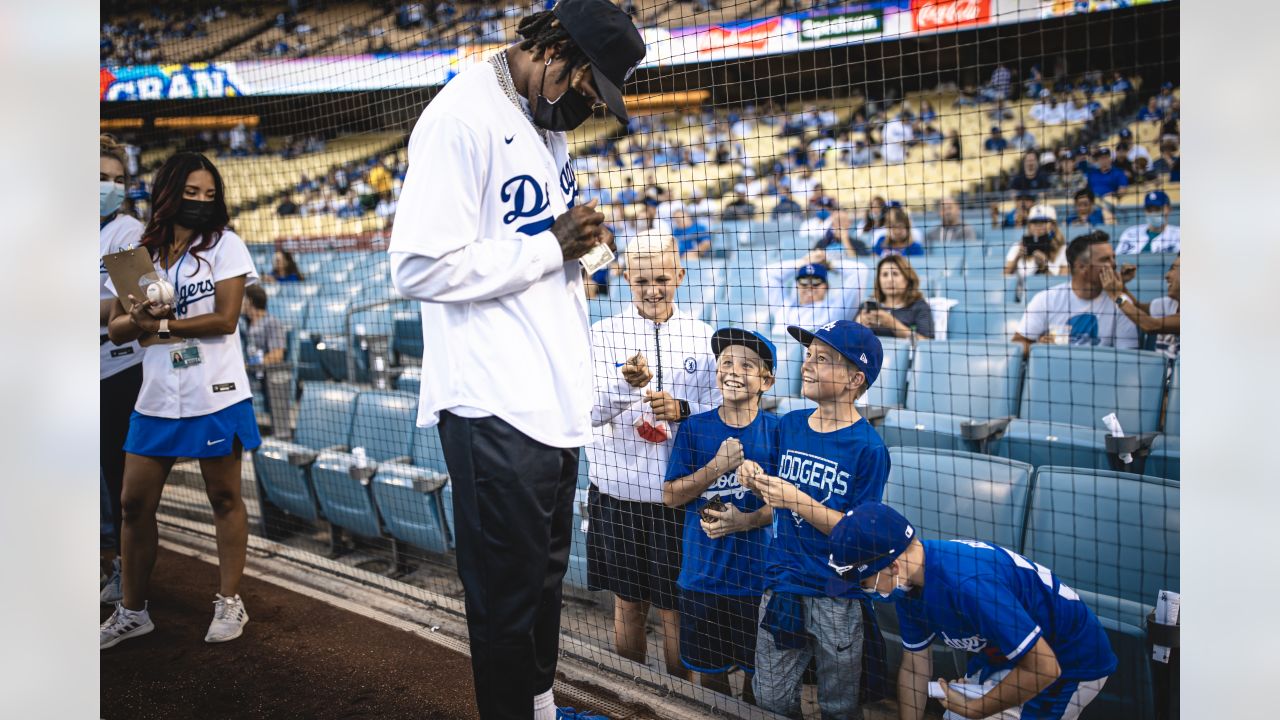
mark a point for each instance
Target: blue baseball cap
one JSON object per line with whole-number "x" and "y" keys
{"x": 814, "y": 270}
{"x": 854, "y": 341}
{"x": 761, "y": 345}
{"x": 868, "y": 539}
{"x": 1156, "y": 198}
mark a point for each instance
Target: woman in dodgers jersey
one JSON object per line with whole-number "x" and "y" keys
{"x": 120, "y": 366}
{"x": 195, "y": 400}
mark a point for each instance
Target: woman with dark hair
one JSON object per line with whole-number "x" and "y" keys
{"x": 284, "y": 268}
{"x": 897, "y": 237}
{"x": 899, "y": 309}
{"x": 873, "y": 218}
{"x": 120, "y": 366}
{"x": 195, "y": 400}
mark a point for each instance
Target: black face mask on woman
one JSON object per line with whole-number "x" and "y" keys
{"x": 563, "y": 115}
{"x": 195, "y": 214}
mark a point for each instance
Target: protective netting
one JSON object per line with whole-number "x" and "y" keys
{"x": 990, "y": 186}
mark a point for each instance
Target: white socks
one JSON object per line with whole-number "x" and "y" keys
{"x": 544, "y": 706}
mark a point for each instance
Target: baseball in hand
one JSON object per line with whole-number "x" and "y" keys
{"x": 160, "y": 291}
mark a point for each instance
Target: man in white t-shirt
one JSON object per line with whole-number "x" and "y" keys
{"x": 1156, "y": 235}
{"x": 1162, "y": 317}
{"x": 1079, "y": 312}
{"x": 488, "y": 235}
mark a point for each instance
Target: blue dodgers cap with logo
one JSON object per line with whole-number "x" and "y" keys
{"x": 854, "y": 341}
{"x": 1155, "y": 199}
{"x": 813, "y": 270}
{"x": 868, "y": 539}
{"x": 761, "y": 345}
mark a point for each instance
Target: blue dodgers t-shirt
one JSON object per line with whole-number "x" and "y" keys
{"x": 881, "y": 249}
{"x": 1105, "y": 183}
{"x": 996, "y": 604}
{"x": 841, "y": 470}
{"x": 734, "y": 564}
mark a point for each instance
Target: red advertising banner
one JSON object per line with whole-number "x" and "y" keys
{"x": 948, "y": 14}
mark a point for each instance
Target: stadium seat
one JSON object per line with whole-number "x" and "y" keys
{"x": 890, "y": 388}
{"x": 983, "y": 322}
{"x": 959, "y": 394}
{"x": 406, "y": 333}
{"x": 283, "y": 468}
{"x": 1165, "y": 459}
{"x": 974, "y": 290}
{"x": 1022, "y": 291}
{"x": 576, "y": 574}
{"x": 1067, "y": 392}
{"x": 410, "y": 379}
{"x": 410, "y": 497}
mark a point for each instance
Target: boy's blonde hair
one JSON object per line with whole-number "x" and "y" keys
{"x": 649, "y": 243}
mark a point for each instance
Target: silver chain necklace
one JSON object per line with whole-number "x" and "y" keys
{"x": 503, "y": 71}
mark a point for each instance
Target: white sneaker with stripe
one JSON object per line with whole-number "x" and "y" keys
{"x": 229, "y": 618}
{"x": 124, "y": 624}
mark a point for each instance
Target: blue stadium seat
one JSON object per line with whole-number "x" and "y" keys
{"x": 983, "y": 322}
{"x": 406, "y": 334}
{"x": 787, "y": 382}
{"x": 890, "y": 388}
{"x": 383, "y": 426}
{"x": 1068, "y": 390}
{"x": 283, "y": 468}
{"x": 975, "y": 290}
{"x": 576, "y": 575}
{"x": 410, "y": 503}
{"x": 952, "y": 385}
{"x": 1032, "y": 285}
{"x": 410, "y": 379}
{"x": 1151, "y": 266}
{"x": 949, "y": 494}
{"x": 1165, "y": 459}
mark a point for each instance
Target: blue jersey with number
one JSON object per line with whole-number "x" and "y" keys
{"x": 996, "y": 604}
{"x": 734, "y": 564}
{"x": 840, "y": 470}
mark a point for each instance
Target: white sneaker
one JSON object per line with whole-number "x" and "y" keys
{"x": 229, "y": 618}
{"x": 124, "y": 624}
{"x": 111, "y": 592}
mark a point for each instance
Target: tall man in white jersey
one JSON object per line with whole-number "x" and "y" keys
{"x": 488, "y": 236}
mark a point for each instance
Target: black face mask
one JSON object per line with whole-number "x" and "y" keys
{"x": 563, "y": 115}
{"x": 195, "y": 215}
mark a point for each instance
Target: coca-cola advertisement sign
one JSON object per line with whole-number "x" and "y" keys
{"x": 750, "y": 37}
{"x": 948, "y": 14}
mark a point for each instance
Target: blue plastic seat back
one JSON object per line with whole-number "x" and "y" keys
{"x": 1033, "y": 284}
{"x": 384, "y": 424}
{"x": 978, "y": 380}
{"x": 409, "y": 514}
{"x": 951, "y": 494}
{"x": 1079, "y": 385}
{"x": 327, "y": 316}
{"x": 890, "y": 387}
{"x": 290, "y": 311}
{"x": 971, "y": 289}
{"x": 407, "y": 334}
{"x": 1106, "y": 532}
{"x": 982, "y": 322}
{"x": 325, "y": 415}
{"x": 787, "y": 381}
{"x": 346, "y": 502}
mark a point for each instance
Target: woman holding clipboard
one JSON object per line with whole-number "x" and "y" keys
{"x": 195, "y": 399}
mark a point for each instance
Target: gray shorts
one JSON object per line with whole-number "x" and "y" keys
{"x": 834, "y": 626}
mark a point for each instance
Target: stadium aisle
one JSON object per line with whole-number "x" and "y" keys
{"x": 298, "y": 658}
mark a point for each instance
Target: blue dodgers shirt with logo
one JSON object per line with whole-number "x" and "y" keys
{"x": 996, "y": 604}
{"x": 734, "y": 564}
{"x": 841, "y": 470}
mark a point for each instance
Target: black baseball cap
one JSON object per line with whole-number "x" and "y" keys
{"x": 610, "y": 41}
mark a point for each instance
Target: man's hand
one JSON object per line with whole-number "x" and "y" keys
{"x": 815, "y": 257}
{"x": 957, "y": 703}
{"x": 728, "y": 521}
{"x": 1112, "y": 285}
{"x": 729, "y": 456}
{"x": 774, "y": 491}
{"x": 636, "y": 371}
{"x": 1128, "y": 271}
{"x": 578, "y": 230}
{"x": 665, "y": 407}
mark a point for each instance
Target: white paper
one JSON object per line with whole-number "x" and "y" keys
{"x": 1113, "y": 425}
{"x": 1167, "y": 607}
{"x": 966, "y": 689}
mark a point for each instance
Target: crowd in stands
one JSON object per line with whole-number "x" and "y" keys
{"x": 141, "y": 38}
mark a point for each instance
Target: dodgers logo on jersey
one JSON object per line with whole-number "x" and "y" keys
{"x": 569, "y": 184}
{"x": 529, "y": 199}
{"x": 726, "y": 484}
{"x": 190, "y": 293}
{"x": 969, "y": 644}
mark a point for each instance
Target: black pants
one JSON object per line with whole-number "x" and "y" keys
{"x": 513, "y": 507}
{"x": 117, "y": 396}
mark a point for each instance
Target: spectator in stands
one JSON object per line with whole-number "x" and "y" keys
{"x": 284, "y": 268}
{"x": 800, "y": 290}
{"x": 267, "y": 337}
{"x": 953, "y": 150}
{"x": 288, "y": 206}
{"x": 1017, "y": 217}
{"x": 1127, "y": 148}
{"x": 1088, "y": 212}
{"x": 1047, "y": 110}
{"x": 1022, "y": 139}
{"x": 997, "y": 89}
{"x": 1079, "y": 312}
{"x": 1032, "y": 177}
{"x": 897, "y": 134}
{"x": 1105, "y": 179}
{"x": 897, "y": 237}
{"x": 808, "y": 613}
{"x": 786, "y": 204}
{"x": 1168, "y": 164}
{"x": 722, "y": 575}
{"x": 1156, "y": 234}
{"x": 633, "y": 540}
{"x": 1151, "y": 111}
{"x": 840, "y": 234}
{"x": 995, "y": 143}
{"x": 1053, "y": 654}
{"x": 693, "y": 239}
{"x": 195, "y": 400}
{"x": 899, "y": 309}
{"x": 952, "y": 228}
{"x": 1160, "y": 317}
{"x": 1120, "y": 83}
{"x": 739, "y": 207}
{"x": 859, "y": 154}
{"x": 119, "y": 366}
{"x": 873, "y": 217}
{"x": 1042, "y": 250}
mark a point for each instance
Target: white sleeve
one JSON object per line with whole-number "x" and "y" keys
{"x": 1126, "y": 332}
{"x": 437, "y": 224}
{"x": 1035, "y": 321}
{"x": 1012, "y": 254}
{"x": 775, "y": 281}
{"x": 232, "y": 259}
{"x": 1128, "y": 241}
{"x": 613, "y": 396}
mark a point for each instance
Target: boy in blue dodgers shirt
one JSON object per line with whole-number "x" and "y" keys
{"x": 1038, "y": 651}
{"x": 722, "y": 571}
{"x": 830, "y": 461}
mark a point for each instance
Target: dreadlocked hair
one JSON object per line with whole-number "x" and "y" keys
{"x": 542, "y": 32}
